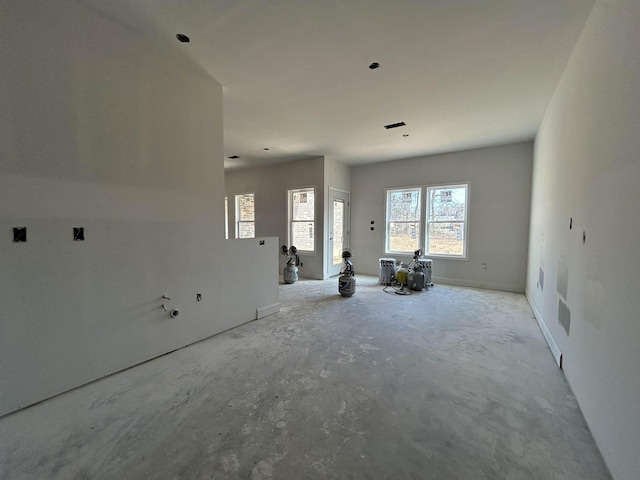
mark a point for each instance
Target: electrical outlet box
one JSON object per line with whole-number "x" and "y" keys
{"x": 19, "y": 234}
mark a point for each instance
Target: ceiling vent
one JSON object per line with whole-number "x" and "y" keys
{"x": 394, "y": 125}
{"x": 233, "y": 157}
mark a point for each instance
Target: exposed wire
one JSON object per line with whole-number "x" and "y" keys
{"x": 397, "y": 290}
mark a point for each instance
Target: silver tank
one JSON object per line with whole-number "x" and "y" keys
{"x": 347, "y": 285}
{"x": 416, "y": 280}
{"x": 290, "y": 274}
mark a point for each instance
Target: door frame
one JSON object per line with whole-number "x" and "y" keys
{"x": 347, "y": 222}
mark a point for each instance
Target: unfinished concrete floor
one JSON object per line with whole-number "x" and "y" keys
{"x": 453, "y": 383}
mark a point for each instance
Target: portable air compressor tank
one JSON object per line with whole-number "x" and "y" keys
{"x": 416, "y": 276}
{"x": 416, "y": 280}
{"x": 290, "y": 272}
{"x": 347, "y": 279}
{"x": 346, "y": 285}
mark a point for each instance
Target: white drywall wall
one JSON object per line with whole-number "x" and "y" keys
{"x": 99, "y": 129}
{"x": 336, "y": 175}
{"x": 586, "y": 167}
{"x": 499, "y": 194}
{"x": 270, "y": 185}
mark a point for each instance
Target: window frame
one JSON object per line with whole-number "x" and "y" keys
{"x": 420, "y": 221}
{"x": 465, "y": 222}
{"x": 238, "y": 222}
{"x": 424, "y": 221}
{"x": 291, "y": 221}
{"x": 226, "y": 217}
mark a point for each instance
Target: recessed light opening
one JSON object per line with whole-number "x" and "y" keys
{"x": 183, "y": 38}
{"x": 374, "y": 65}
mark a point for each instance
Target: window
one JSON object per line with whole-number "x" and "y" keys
{"x": 443, "y": 226}
{"x": 446, "y": 232}
{"x": 403, "y": 220}
{"x": 245, "y": 216}
{"x": 302, "y": 219}
{"x": 226, "y": 218}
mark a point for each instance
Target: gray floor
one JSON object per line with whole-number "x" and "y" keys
{"x": 453, "y": 383}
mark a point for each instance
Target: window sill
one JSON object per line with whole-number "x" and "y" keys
{"x": 445, "y": 257}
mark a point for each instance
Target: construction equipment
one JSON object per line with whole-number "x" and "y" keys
{"x": 290, "y": 272}
{"x": 347, "y": 279}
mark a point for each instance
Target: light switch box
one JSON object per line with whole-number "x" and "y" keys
{"x": 19, "y": 234}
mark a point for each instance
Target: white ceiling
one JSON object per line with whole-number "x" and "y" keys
{"x": 460, "y": 73}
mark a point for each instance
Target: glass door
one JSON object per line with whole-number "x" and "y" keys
{"x": 338, "y": 228}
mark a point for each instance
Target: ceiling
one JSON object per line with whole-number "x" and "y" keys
{"x": 460, "y": 73}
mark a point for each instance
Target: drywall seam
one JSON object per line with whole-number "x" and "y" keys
{"x": 553, "y": 346}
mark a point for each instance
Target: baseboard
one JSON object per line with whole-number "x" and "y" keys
{"x": 505, "y": 287}
{"x": 553, "y": 346}
{"x": 268, "y": 310}
{"x": 311, "y": 275}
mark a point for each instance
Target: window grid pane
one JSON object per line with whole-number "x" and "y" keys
{"x": 302, "y": 235}
{"x": 303, "y": 205}
{"x": 446, "y": 239}
{"x": 404, "y": 236}
{"x": 245, "y": 216}
{"x": 246, "y": 229}
{"x": 404, "y": 205}
{"x": 246, "y": 208}
{"x": 447, "y": 204}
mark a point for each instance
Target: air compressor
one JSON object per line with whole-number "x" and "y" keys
{"x": 290, "y": 272}
{"x": 347, "y": 279}
{"x": 402, "y": 275}
{"x": 415, "y": 276}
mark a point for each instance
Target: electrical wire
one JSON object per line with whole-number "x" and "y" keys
{"x": 397, "y": 290}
